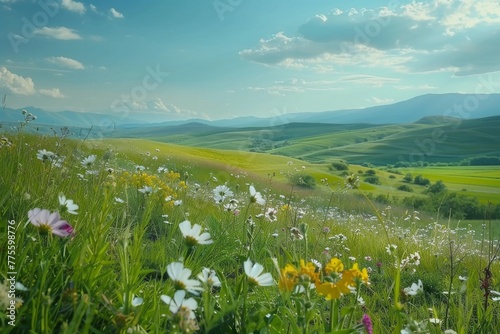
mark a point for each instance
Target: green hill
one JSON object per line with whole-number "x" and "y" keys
{"x": 431, "y": 139}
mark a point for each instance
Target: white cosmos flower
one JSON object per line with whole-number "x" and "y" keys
{"x": 209, "y": 277}
{"x": 178, "y": 302}
{"x": 221, "y": 193}
{"x": 180, "y": 275}
{"x": 45, "y": 155}
{"x": 67, "y": 205}
{"x": 414, "y": 289}
{"x": 88, "y": 161}
{"x": 254, "y": 271}
{"x": 255, "y": 196}
{"x": 193, "y": 235}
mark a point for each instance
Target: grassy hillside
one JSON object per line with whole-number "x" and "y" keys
{"x": 432, "y": 139}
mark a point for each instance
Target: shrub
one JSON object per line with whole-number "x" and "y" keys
{"x": 408, "y": 178}
{"x": 303, "y": 181}
{"x": 338, "y": 165}
{"x": 370, "y": 172}
{"x": 374, "y": 179}
{"x": 422, "y": 181}
{"x": 406, "y": 188}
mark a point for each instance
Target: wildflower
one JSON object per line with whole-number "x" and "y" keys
{"x": 88, "y": 161}
{"x": 308, "y": 271}
{"x": 139, "y": 168}
{"x": 178, "y": 302}
{"x": 317, "y": 264}
{"x": 334, "y": 266}
{"x": 359, "y": 274}
{"x": 221, "y": 193}
{"x": 177, "y": 202}
{"x": 296, "y": 235}
{"x": 193, "y": 235}
{"x": 271, "y": 214}
{"x": 49, "y": 222}
{"x": 146, "y": 190}
{"x": 414, "y": 289}
{"x": 45, "y": 155}
{"x": 67, "y": 205}
{"x": 209, "y": 277}
{"x": 288, "y": 278}
{"x": 368, "y": 258}
{"x": 253, "y": 271}
{"x": 255, "y": 196}
{"x": 367, "y": 322}
{"x": 180, "y": 275}
{"x": 119, "y": 200}
{"x": 232, "y": 205}
{"x": 136, "y": 301}
{"x": 333, "y": 290}
{"x": 162, "y": 169}
{"x": 390, "y": 249}
{"x": 274, "y": 235}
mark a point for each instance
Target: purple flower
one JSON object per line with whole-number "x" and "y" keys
{"x": 367, "y": 321}
{"x": 47, "y": 221}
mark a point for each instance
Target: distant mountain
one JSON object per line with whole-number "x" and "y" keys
{"x": 463, "y": 106}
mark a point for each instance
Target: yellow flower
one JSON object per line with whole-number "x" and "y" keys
{"x": 359, "y": 274}
{"x": 333, "y": 290}
{"x": 310, "y": 270}
{"x": 288, "y": 278}
{"x": 334, "y": 266}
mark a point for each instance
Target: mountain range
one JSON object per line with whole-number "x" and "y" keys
{"x": 464, "y": 106}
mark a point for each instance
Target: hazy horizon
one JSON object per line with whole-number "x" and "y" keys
{"x": 225, "y": 59}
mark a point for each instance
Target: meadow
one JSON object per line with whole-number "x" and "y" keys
{"x": 136, "y": 236}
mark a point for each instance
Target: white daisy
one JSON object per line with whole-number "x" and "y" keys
{"x": 88, "y": 161}
{"x": 67, "y": 205}
{"x": 209, "y": 277}
{"x": 193, "y": 235}
{"x": 180, "y": 275}
{"x": 178, "y": 302}
{"x": 253, "y": 271}
{"x": 255, "y": 196}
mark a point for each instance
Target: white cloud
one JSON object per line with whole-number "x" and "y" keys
{"x": 462, "y": 36}
{"x": 66, "y": 62}
{"x": 93, "y": 8}
{"x": 379, "y": 100}
{"x": 54, "y": 93}
{"x": 116, "y": 14}
{"x": 57, "y": 33}
{"x": 73, "y": 6}
{"x": 16, "y": 84}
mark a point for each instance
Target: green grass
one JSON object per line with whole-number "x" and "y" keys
{"x": 87, "y": 283}
{"x": 429, "y": 140}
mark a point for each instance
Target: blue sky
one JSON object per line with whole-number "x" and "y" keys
{"x": 226, "y": 58}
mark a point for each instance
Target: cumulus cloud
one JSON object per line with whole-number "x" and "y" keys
{"x": 73, "y": 6}
{"x": 57, "y": 33}
{"x": 116, "y": 14}
{"x": 454, "y": 35}
{"x": 54, "y": 93}
{"x": 16, "y": 84}
{"x": 66, "y": 62}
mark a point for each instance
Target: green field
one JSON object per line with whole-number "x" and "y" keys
{"x": 432, "y": 140}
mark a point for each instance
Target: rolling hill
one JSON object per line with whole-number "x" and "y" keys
{"x": 431, "y": 139}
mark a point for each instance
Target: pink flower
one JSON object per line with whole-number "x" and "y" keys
{"x": 47, "y": 221}
{"x": 367, "y": 321}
